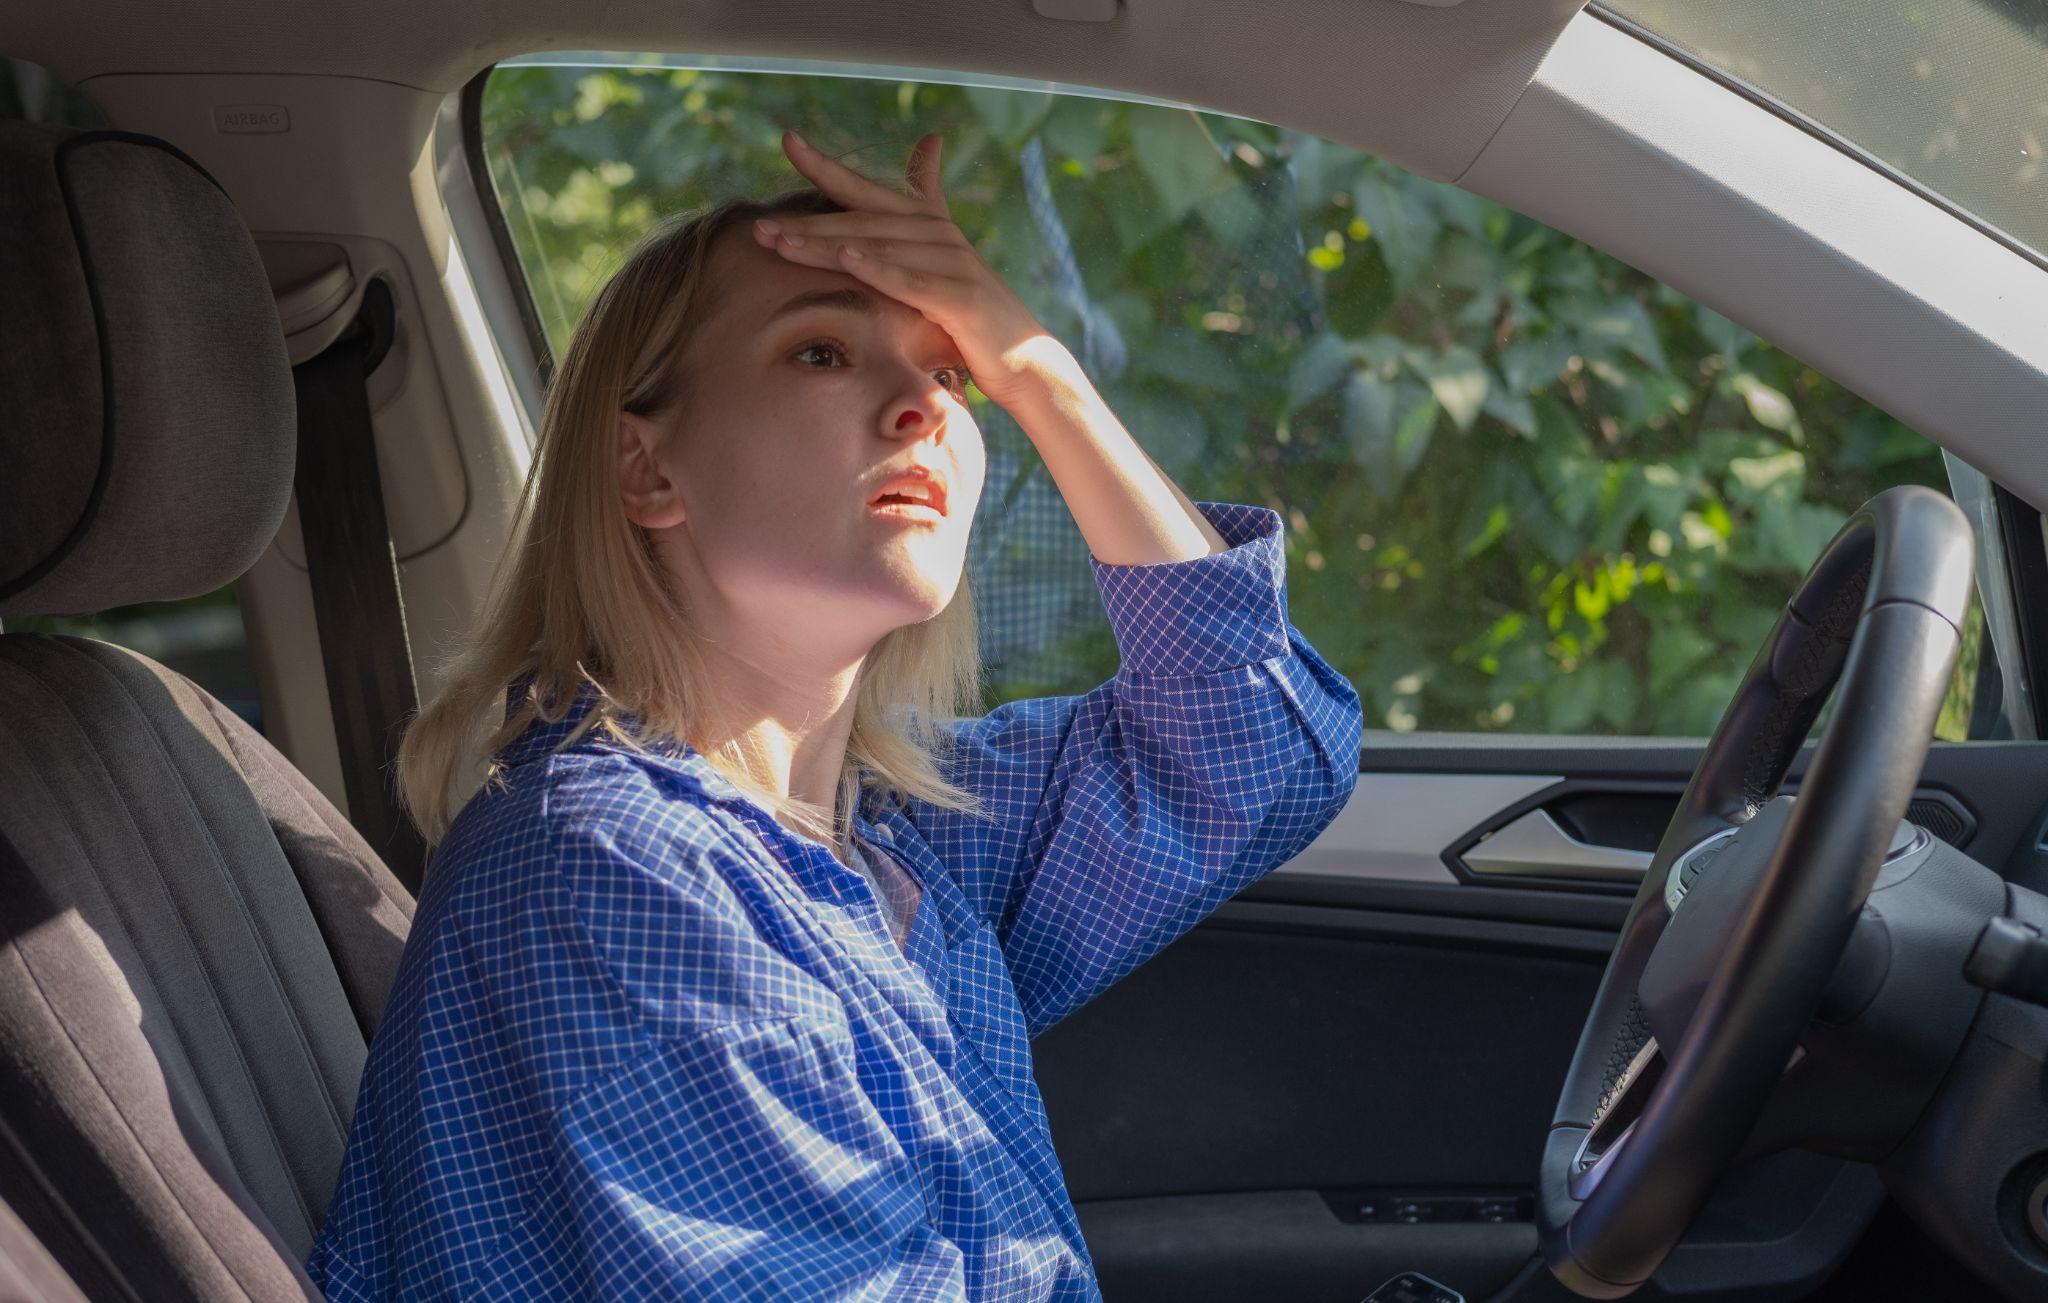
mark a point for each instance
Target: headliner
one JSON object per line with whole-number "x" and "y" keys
{"x": 1423, "y": 84}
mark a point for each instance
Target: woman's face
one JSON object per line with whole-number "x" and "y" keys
{"x": 807, "y": 397}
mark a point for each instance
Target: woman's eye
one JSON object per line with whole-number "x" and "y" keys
{"x": 955, "y": 378}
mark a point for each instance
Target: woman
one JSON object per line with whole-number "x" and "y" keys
{"x": 722, "y": 987}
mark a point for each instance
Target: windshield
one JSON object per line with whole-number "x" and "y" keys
{"x": 1951, "y": 93}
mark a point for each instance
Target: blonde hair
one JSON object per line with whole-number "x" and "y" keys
{"x": 580, "y": 599}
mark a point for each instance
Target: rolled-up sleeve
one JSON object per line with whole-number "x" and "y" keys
{"x": 1116, "y": 819}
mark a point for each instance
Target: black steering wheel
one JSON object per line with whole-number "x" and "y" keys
{"x": 1702, "y": 1009}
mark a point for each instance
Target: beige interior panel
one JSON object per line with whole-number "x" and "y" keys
{"x": 1423, "y": 85}
{"x": 425, "y": 502}
{"x": 358, "y": 169}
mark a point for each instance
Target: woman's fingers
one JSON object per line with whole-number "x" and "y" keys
{"x": 923, "y": 172}
{"x": 930, "y": 290}
{"x": 914, "y": 228}
{"x": 933, "y": 278}
{"x": 817, "y": 250}
{"x": 848, "y": 187}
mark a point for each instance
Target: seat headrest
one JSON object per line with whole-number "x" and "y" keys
{"x": 147, "y": 430}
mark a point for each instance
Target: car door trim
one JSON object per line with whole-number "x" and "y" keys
{"x": 1397, "y": 826}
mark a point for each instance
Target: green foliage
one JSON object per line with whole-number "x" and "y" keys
{"x": 1527, "y": 487}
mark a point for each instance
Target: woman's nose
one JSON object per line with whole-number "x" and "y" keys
{"x": 913, "y": 421}
{"x": 918, "y": 414}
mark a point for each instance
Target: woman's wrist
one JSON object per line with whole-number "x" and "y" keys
{"x": 1128, "y": 509}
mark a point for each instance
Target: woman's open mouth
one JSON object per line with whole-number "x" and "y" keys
{"x": 917, "y": 494}
{"x": 908, "y": 510}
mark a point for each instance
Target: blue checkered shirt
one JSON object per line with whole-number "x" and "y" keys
{"x": 644, "y": 1042}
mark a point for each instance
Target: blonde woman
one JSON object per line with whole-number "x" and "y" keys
{"x": 722, "y": 987}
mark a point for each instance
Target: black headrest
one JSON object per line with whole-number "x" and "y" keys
{"x": 146, "y": 416}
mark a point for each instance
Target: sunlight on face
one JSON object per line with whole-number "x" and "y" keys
{"x": 796, "y": 416}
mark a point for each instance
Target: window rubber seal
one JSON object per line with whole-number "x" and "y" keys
{"x": 501, "y": 230}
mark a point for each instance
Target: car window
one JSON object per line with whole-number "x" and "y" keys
{"x": 202, "y": 637}
{"x": 1527, "y": 487}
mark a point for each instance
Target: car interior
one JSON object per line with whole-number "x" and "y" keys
{"x": 1684, "y": 935}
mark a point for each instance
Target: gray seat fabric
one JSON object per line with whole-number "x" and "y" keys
{"x": 194, "y": 945}
{"x": 27, "y": 1271}
{"x": 143, "y": 379}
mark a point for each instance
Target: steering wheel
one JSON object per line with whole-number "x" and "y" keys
{"x": 1703, "y": 1007}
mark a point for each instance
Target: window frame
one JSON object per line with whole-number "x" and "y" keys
{"x": 471, "y": 111}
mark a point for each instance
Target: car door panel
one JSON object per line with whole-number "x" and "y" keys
{"x": 1374, "y": 1026}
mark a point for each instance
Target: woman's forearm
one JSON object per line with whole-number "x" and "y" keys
{"x": 1129, "y": 510}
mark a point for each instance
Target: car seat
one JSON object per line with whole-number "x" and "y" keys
{"x": 195, "y": 945}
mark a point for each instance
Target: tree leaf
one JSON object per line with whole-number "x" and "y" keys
{"x": 1402, "y": 226}
{"x": 1676, "y": 650}
{"x": 1369, "y": 425}
{"x": 1621, "y": 323}
{"x": 1388, "y": 427}
{"x": 1530, "y": 364}
{"x": 1316, "y": 369}
{"x": 1459, "y": 380}
{"x": 1074, "y": 129}
{"x": 1009, "y": 115}
{"x": 1569, "y": 701}
{"x": 1511, "y": 409}
{"x": 1176, "y": 157}
{"x": 1769, "y": 407}
{"x": 1620, "y": 692}
{"x": 1411, "y": 437}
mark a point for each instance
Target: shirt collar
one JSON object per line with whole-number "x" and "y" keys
{"x": 540, "y": 739}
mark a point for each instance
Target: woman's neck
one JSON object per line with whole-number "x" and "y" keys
{"x": 795, "y": 718}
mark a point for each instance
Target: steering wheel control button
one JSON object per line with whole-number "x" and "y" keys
{"x": 1414, "y": 1287}
{"x": 1686, "y": 869}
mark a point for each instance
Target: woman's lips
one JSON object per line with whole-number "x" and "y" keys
{"x": 917, "y": 489}
{"x": 903, "y": 509}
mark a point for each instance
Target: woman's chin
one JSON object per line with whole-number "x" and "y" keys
{"x": 915, "y": 598}
{"x": 922, "y": 605}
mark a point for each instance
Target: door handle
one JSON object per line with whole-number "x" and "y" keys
{"x": 1533, "y": 846}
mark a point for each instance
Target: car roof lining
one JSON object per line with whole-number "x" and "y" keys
{"x": 1426, "y": 84}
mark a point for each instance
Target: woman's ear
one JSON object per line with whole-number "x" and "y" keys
{"x": 649, "y": 496}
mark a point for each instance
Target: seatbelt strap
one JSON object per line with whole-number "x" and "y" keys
{"x": 354, "y": 573}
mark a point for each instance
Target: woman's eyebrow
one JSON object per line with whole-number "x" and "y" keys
{"x": 847, "y": 300}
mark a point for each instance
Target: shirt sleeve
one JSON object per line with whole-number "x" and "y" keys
{"x": 740, "y": 1163}
{"x": 707, "y": 1134}
{"x": 1116, "y": 819}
